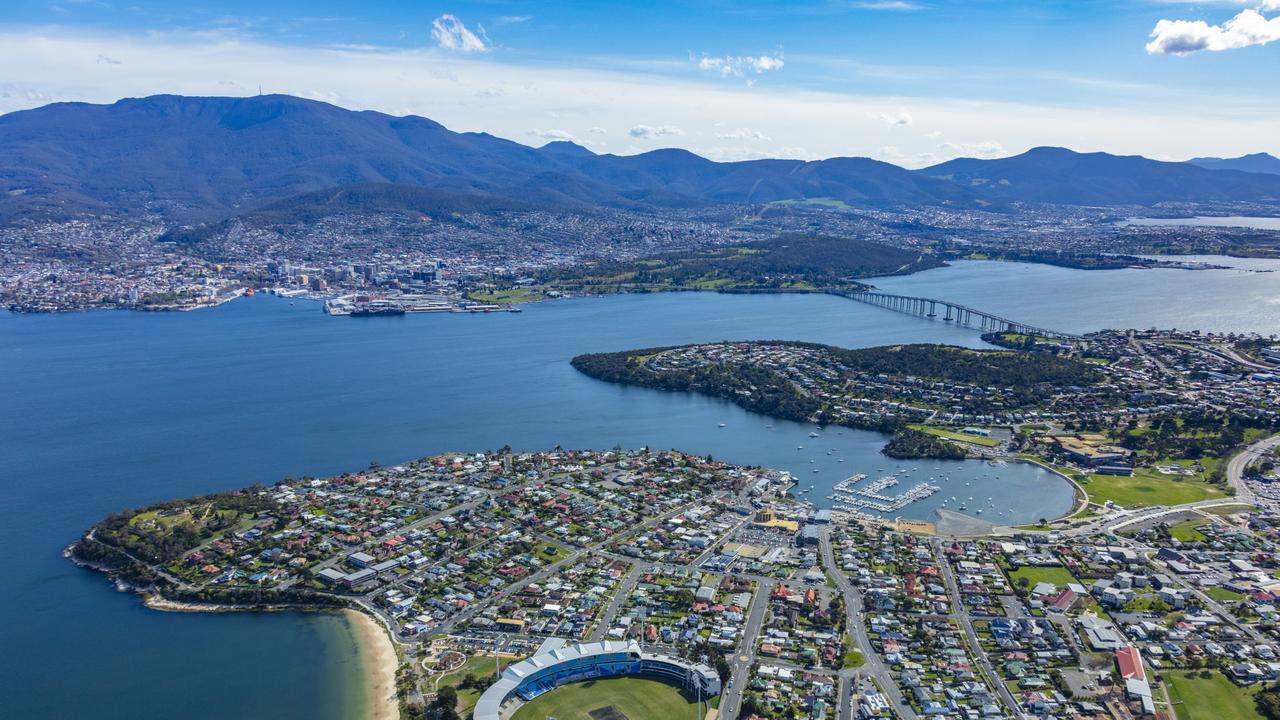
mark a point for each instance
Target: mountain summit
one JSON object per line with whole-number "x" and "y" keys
{"x": 210, "y": 157}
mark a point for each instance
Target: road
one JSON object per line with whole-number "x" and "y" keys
{"x": 1237, "y": 465}
{"x": 960, "y": 614}
{"x": 740, "y": 663}
{"x": 450, "y": 623}
{"x": 873, "y": 665}
{"x": 605, "y": 621}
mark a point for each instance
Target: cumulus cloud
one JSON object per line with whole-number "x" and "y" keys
{"x": 742, "y": 134}
{"x": 58, "y": 65}
{"x": 1248, "y": 27}
{"x": 647, "y": 132}
{"x": 900, "y": 118}
{"x": 551, "y": 134}
{"x": 451, "y": 34}
{"x": 739, "y": 65}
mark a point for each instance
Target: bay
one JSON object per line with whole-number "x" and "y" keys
{"x": 106, "y": 410}
{"x": 1236, "y": 221}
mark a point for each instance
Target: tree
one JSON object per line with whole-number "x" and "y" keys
{"x": 444, "y": 707}
{"x": 722, "y": 668}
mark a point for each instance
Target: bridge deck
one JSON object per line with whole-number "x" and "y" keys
{"x": 961, "y": 314}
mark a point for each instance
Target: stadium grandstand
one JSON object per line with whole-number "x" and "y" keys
{"x": 556, "y": 663}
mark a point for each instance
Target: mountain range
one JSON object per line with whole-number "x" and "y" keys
{"x": 204, "y": 158}
{"x": 1257, "y": 163}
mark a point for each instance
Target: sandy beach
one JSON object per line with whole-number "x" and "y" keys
{"x": 378, "y": 657}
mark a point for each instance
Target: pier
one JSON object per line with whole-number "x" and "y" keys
{"x": 952, "y": 312}
{"x": 847, "y": 498}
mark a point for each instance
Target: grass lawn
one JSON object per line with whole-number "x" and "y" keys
{"x": 550, "y": 557}
{"x": 1059, "y": 576}
{"x": 1189, "y": 530}
{"x": 853, "y": 659}
{"x": 1222, "y": 594}
{"x": 511, "y": 296}
{"x": 1229, "y": 509}
{"x": 480, "y": 666}
{"x": 633, "y": 697}
{"x": 957, "y": 436}
{"x": 1149, "y": 487}
{"x": 1216, "y": 698}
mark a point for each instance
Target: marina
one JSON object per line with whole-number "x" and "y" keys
{"x": 847, "y": 497}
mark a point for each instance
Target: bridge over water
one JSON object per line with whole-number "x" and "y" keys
{"x": 952, "y": 312}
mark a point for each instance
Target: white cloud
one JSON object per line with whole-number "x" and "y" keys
{"x": 59, "y": 64}
{"x": 742, "y": 134}
{"x": 1248, "y": 27}
{"x": 738, "y": 154}
{"x": 551, "y": 134}
{"x": 892, "y": 154}
{"x": 899, "y": 5}
{"x": 451, "y": 34}
{"x": 512, "y": 19}
{"x": 646, "y": 132}
{"x": 899, "y": 119}
{"x": 739, "y": 65}
{"x": 597, "y": 130}
{"x": 987, "y": 149}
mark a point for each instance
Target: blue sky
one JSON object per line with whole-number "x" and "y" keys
{"x": 909, "y": 81}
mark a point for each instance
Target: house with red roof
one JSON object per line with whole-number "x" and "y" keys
{"x": 1129, "y": 661}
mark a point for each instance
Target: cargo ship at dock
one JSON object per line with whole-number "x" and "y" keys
{"x": 378, "y": 311}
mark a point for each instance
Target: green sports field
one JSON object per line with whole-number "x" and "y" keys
{"x": 628, "y": 698}
{"x": 1213, "y": 699}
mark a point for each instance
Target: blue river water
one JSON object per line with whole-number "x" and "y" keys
{"x": 102, "y": 411}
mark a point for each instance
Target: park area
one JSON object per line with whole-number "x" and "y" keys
{"x": 957, "y": 436}
{"x": 1148, "y": 487}
{"x": 1054, "y": 575}
{"x": 1212, "y": 698}
{"x": 624, "y": 698}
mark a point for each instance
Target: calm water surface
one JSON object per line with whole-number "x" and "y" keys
{"x": 1240, "y": 221}
{"x": 106, "y": 410}
{"x": 1244, "y": 298}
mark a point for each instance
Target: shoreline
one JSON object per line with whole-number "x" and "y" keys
{"x": 375, "y": 652}
{"x": 378, "y": 664}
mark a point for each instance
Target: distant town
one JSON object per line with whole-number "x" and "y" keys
{"x": 455, "y": 260}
